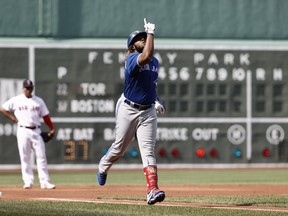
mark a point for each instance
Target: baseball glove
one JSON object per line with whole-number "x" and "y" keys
{"x": 46, "y": 136}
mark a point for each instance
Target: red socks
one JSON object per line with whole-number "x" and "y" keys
{"x": 151, "y": 177}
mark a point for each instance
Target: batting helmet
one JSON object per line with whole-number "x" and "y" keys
{"x": 133, "y": 35}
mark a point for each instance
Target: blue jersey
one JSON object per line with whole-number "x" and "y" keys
{"x": 140, "y": 82}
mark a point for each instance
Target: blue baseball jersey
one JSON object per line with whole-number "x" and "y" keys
{"x": 141, "y": 82}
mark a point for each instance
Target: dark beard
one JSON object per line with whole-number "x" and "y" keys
{"x": 139, "y": 49}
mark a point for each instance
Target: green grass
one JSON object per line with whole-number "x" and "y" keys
{"x": 268, "y": 201}
{"x": 21, "y": 208}
{"x": 186, "y": 177}
{"x": 166, "y": 177}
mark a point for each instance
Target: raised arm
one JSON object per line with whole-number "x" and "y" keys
{"x": 148, "y": 50}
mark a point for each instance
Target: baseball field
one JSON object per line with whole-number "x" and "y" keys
{"x": 188, "y": 192}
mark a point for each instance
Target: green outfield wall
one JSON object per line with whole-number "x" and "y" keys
{"x": 223, "y": 76}
{"x": 226, "y": 103}
{"x": 193, "y": 19}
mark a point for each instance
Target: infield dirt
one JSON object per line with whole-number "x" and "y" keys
{"x": 105, "y": 194}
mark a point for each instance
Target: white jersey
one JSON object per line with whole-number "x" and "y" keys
{"x": 28, "y": 111}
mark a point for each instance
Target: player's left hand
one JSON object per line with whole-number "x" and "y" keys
{"x": 47, "y": 136}
{"x": 149, "y": 27}
{"x": 160, "y": 109}
{"x": 52, "y": 132}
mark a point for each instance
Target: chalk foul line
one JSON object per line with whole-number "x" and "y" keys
{"x": 194, "y": 205}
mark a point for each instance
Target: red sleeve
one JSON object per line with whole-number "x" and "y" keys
{"x": 48, "y": 121}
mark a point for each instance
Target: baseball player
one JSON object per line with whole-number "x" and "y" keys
{"x": 28, "y": 110}
{"x": 136, "y": 111}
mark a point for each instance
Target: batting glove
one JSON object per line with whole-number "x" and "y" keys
{"x": 149, "y": 27}
{"x": 160, "y": 109}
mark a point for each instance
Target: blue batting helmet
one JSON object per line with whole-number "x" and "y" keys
{"x": 133, "y": 35}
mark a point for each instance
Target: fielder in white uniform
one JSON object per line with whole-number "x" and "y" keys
{"x": 28, "y": 109}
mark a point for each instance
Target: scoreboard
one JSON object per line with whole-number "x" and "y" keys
{"x": 224, "y": 104}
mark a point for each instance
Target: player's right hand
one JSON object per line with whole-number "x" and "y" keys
{"x": 149, "y": 27}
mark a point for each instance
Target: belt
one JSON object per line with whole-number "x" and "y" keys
{"x": 32, "y": 128}
{"x": 137, "y": 106}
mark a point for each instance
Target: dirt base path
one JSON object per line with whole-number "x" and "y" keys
{"x": 96, "y": 192}
{"x": 100, "y": 194}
